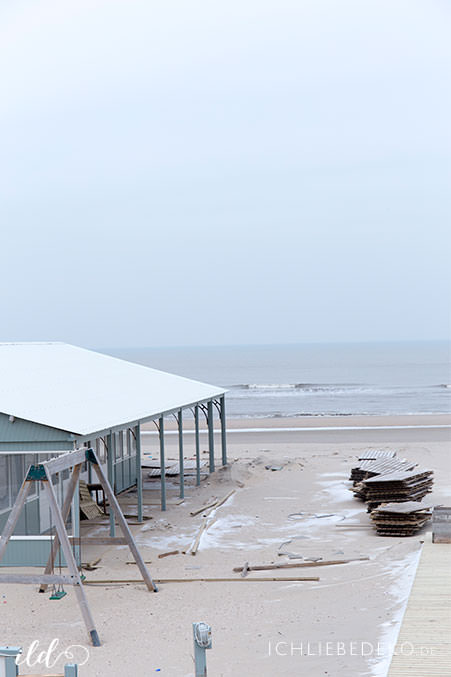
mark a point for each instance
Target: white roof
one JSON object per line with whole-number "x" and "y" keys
{"x": 81, "y": 391}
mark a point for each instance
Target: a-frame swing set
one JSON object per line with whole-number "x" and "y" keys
{"x": 42, "y": 472}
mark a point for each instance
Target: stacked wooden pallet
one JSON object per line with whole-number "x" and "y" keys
{"x": 397, "y": 487}
{"x": 88, "y": 507}
{"x": 400, "y": 519}
{"x": 375, "y": 454}
{"x": 392, "y": 489}
{"x": 380, "y": 466}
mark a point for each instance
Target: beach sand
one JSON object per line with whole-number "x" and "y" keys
{"x": 258, "y": 628}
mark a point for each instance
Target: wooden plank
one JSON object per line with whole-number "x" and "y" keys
{"x": 207, "y": 522}
{"x": 65, "y": 461}
{"x": 294, "y": 565}
{"x": 37, "y": 578}
{"x": 168, "y": 554}
{"x": 262, "y": 579}
{"x": 98, "y": 540}
{"x": 213, "y": 504}
{"x": 226, "y": 498}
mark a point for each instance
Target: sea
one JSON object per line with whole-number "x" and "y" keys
{"x": 327, "y": 379}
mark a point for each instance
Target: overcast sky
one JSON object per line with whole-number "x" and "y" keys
{"x": 251, "y": 171}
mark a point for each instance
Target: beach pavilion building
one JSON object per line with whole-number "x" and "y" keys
{"x": 56, "y": 397}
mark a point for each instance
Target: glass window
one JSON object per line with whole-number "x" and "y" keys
{"x": 132, "y": 443}
{"x": 102, "y": 449}
{"x": 127, "y": 443}
{"x": 17, "y": 474}
{"x": 4, "y": 482}
{"x": 119, "y": 445}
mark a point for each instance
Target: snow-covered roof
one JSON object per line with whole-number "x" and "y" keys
{"x": 82, "y": 392}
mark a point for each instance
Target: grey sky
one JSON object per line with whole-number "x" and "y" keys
{"x": 180, "y": 173}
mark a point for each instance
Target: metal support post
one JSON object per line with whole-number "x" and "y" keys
{"x": 110, "y": 470}
{"x": 182, "y": 474}
{"x": 223, "y": 431}
{"x": 202, "y": 641}
{"x": 197, "y": 441}
{"x": 211, "y": 440}
{"x": 139, "y": 476}
{"x": 162, "y": 464}
{"x": 8, "y": 656}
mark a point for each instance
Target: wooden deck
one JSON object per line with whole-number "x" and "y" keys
{"x": 423, "y": 648}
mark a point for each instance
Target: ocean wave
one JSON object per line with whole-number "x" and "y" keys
{"x": 331, "y": 414}
{"x": 310, "y": 387}
{"x": 275, "y": 389}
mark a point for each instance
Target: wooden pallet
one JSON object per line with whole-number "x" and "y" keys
{"x": 400, "y": 519}
{"x": 373, "y": 454}
{"x": 88, "y": 507}
{"x": 383, "y": 466}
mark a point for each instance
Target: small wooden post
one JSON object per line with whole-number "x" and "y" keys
{"x": 71, "y": 670}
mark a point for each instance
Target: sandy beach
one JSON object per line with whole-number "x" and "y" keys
{"x": 291, "y": 495}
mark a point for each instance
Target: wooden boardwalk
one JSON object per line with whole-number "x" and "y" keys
{"x": 423, "y": 648}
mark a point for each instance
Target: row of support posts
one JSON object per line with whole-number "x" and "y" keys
{"x": 209, "y": 414}
{"x": 111, "y": 454}
{"x": 208, "y": 411}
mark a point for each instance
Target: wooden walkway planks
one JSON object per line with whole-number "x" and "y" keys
{"x": 423, "y": 648}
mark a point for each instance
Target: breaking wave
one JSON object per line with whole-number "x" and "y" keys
{"x": 310, "y": 387}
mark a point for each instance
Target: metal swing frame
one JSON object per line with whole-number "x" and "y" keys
{"x": 42, "y": 472}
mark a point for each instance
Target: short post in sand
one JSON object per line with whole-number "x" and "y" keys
{"x": 202, "y": 641}
{"x": 8, "y": 656}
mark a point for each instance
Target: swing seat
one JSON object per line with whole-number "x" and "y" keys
{"x": 58, "y": 594}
